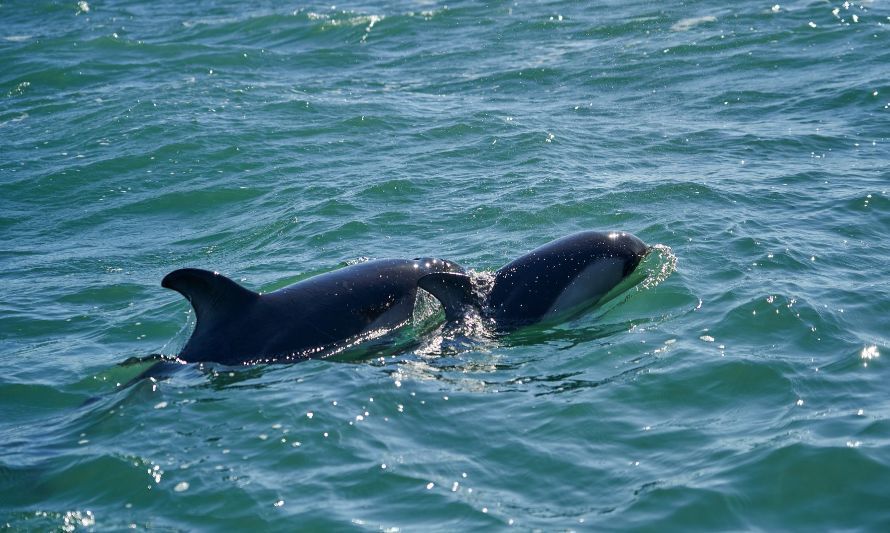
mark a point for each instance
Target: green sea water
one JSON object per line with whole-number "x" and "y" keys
{"x": 743, "y": 385}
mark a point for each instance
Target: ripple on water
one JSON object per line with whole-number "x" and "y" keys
{"x": 783, "y": 324}
{"x": 799, "y": 482}
{"x": 740, "y": 385}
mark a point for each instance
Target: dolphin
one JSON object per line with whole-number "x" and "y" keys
{"x": 561, "y": 278}
{"x": 312, "y": 318}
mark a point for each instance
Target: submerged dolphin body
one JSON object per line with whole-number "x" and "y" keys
{"x": 308, "y": 319}
{"x": 560, "y": 278}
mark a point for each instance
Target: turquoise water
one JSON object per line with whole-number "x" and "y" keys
{"x": 743, "y": 387}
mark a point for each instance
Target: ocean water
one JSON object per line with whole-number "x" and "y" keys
{"x": 742, "y": 386}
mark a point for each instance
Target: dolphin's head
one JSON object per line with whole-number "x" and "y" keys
{"x": 629, "y": 248}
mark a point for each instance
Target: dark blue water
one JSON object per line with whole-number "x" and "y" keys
{"x": 740, "y": 386}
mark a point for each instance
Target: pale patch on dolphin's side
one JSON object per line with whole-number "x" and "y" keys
{"x": 588, "y": 287}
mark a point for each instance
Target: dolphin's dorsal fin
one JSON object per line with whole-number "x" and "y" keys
{"x": 213, "y": 295}
{"x": 453, "y": 290}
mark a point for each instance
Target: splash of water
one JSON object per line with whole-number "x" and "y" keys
{"x": 659, "y": 264}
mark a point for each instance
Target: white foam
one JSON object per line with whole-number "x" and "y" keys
{"x": 687, "y": 23}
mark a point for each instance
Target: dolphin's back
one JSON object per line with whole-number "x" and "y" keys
{"x": 235, "y": 325}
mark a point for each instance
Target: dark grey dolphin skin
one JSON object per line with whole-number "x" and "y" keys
{"x": 238, "y": 326}
{"x": 560, "y": 278}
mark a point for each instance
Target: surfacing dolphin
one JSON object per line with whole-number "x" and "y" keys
{"x": 311, "y": 318}
{"x": 554, "y": 281}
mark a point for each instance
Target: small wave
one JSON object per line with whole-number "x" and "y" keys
{"x": 13, "y": 120}
{"x": 780, "y": 320}
{"x": 691, "y": 22}
{"x": 807, "y": 478}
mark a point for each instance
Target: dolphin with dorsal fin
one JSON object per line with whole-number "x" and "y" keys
{"x": 554, "y": 281}
{"x": 308, "y": 319}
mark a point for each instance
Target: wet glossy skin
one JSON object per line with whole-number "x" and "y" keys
{"x": 562, "y": 275}
{"x": 236, "y": 326}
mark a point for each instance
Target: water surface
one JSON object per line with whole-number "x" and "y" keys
{"x": 268, "y": 141}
